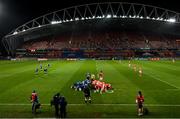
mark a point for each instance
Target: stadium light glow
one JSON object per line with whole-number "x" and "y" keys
{"x": 15, "y": 32}
{"x": 82, "y": 18}
{"x": 108, "y": 16}
{"x": 54, "y": 22}
{"x": 141, "y": 17}
{"x": 114, "y": 16}
{"x": 161, "y": 19}
{"x": 76, "y": 19}
{"x": 172, "y": 20}
{"x": 39, "y": 26}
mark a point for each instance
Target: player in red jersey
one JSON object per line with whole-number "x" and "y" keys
{"x": 129, "y": 64}
{"x": 135, "y": 68}
{"x": 140, "y": 72}
{"x": 34, "y": 101}
{"x": 102, "y": 87}
{"x": 101, "y": 75}
{"x": 140, "y": 101}
{"x": 173, "y": 60}
{"x": 108, "y": 86}
{"x": 98, "y": 86}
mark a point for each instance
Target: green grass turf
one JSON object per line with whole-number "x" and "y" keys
{"x": 160, "y": 85}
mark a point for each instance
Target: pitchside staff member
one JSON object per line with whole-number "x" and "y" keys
{"x": 63, "y": 104}
{"x": 56, "y": 100}
{"x": 140, "y": 101}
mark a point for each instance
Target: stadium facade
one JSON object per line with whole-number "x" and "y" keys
{"x": 120, "y": 22}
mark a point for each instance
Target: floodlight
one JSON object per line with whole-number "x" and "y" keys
{"x": 172, "y": 20}
{"x": 15, "y": 32}
{"x": 114, "y": 16}
{"x": 76, "y": 19}
{"x": 108, "y": 16}
{"x": 54, "y": 22}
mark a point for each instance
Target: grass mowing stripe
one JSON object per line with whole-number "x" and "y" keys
{"x": 129, "y": 85}
{"x": 141, "y": 83}
{"x": 80, "y": 74}
{"x": 45, "y": 84}
{"x": 155, "y": 77}
{"x": 161, "y": 75}
{"x": 152, "y": 75}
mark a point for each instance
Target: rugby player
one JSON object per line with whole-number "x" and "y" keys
{"x": 87, "y": 94}
{"x": 41, "y": 66}
{"x": 135, "y": 68}
{"x": 129, "y": 64}
{"x": 173, "y": 60}
{"x": 45, "y": 70}
{"x": 34, "y": 101}
{"x": 140, "y": 72}
{"x": 139, "y": 102}
{"x": 36, "y": 70}
{"x": 101, "y": 75}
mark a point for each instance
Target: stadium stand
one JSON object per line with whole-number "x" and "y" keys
{"x": 114, "y": 43}
{"x": 105, "y": 41}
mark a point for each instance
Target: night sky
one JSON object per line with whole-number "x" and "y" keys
{"x": 14, "y": 13}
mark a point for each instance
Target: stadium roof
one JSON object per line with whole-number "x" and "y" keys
{"x": 124, "y": 12}
{"x": 101, "y": 11}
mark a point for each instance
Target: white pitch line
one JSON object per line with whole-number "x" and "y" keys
{"x": 151, "y": 105}
{"x": 155, "y": 77}
{"x": 96, "y": 66}
{"x": 173, "y": 89}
